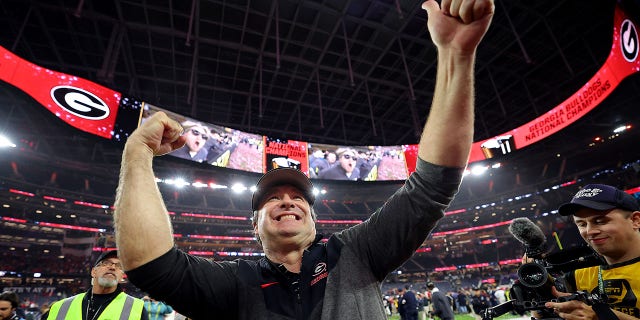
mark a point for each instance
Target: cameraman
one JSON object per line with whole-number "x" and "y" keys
{"x": 608, "y": 219}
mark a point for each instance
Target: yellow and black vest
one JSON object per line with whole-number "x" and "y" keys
{"x": 621, "y": 284}
{"x": 123, "y": 307}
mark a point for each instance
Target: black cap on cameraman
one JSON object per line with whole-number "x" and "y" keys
{"x": 599, "y": 197}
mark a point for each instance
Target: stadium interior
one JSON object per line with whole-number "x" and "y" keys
{"x": 347, "y": 72}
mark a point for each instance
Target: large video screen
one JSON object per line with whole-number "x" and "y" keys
{"x": 215, "y": 145}
{"x": 112, "y": 115}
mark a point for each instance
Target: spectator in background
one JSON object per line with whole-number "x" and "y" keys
{"x": 392, "y": 302}
{"x": 441, "y": 307}
{"x": 331, "y": 159}
{"x": 421, "y": 306}
{"x": 462, "y": 301}
{"x": 32, "y": 312}
{"x": 215, "y": 147}
{"x": 387, "y": 304}
{"x": 479, "y": 302}
{"x": 157, "y": 310}
{"x": 452, "y": 301}
{"x": 196, "y": 136}
{"x": 302, "y": 277}
{"x": 363, "y": 165}
{"x": 105, "y": 298}
{"x": 500, "y": 295}
{"x": 219, "y": 147}
{"x": 407, "y": 304}
{"x": 317, "y": 163}
{"x": 346, "y": 168}
{"x": 9, "y": 306}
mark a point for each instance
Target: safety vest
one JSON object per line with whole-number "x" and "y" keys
{"x": 123, "y": 307}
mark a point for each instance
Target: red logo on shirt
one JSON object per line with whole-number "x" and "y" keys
{"x": 318, "y": 278}
{"x": 319, "y": 272}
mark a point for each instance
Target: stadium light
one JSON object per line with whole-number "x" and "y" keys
{"x": 238, "y": 188}
{"x": 199, "y": 184}
{"x": 178, "y": 182}
{"x": 213, "y": 185}
{"x": 478, "y": 170}
{"x": 621, "y": 128}
{"x": 5, "y": 142}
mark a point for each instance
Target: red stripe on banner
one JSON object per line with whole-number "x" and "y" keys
{"x": 622, "y": 62}
{"x": 81, "y": 103}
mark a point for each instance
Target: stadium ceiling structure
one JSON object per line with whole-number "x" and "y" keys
{"x": 345, "y": 72}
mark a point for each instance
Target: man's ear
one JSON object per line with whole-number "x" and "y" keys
{"x": 635, "y": 220}
{"x": 255, "y": 232}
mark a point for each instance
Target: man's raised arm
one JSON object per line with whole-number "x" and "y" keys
{"x": 142, "y": 226}
{"x": 456, "y": 28}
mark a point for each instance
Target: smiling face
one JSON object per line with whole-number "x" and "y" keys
{"x": 612, "y": 233}
{"x": 107, "y": 274}
{"x": 195, "y": 138}
{"x": 284, "y": 219}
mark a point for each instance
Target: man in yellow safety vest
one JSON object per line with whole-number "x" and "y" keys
{"x": 104, "y": 300}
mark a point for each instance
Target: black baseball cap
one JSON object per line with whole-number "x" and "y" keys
{"x": 599, "y": 197}
{"x": 279, "y": 177}
{"x": 106, "y": 255}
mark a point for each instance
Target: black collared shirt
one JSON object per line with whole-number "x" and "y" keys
{"x": 305, "y": 288}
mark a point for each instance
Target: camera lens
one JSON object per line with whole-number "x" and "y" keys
{"x": 533, "y": 275}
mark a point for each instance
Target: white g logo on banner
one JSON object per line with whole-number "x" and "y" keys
{"x": 629, "y": 40}
{"x": 80, "y": 102}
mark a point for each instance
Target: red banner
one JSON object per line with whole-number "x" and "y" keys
{"x": 93, "y": 108}
{"x": 81, "y": 103}
{"x": 622, "y": 62}
{"x": 285, "y": 154}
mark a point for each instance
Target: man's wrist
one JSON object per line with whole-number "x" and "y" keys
{"x": 456, "y": 56}
{"x": 135, "y": 151}
{"x": 603, "y": 311}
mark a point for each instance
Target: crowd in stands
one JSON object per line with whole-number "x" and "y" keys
{"x": 68, "y": 275}
{"x": 25, "y": 262}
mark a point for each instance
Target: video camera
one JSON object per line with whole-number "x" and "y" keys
{"x": 535, "y": 279}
